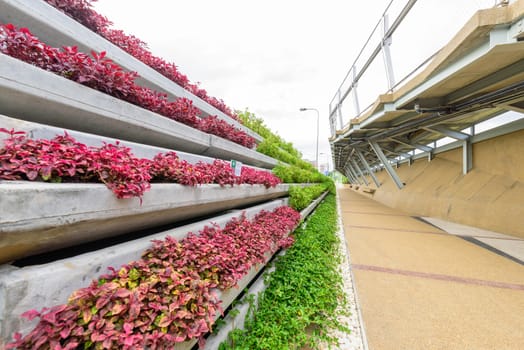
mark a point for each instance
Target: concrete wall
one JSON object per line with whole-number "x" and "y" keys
{"x": 490, "y": 196}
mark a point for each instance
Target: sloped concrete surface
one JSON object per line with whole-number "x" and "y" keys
{"x": 489, "y": 197}
{"x": 32, "y": 94}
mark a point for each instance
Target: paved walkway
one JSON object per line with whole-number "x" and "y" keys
{"x": 420, "y": 287}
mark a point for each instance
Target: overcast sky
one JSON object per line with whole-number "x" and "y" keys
{"x": 274, "y": 57}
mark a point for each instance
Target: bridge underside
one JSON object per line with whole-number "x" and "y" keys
{"x": 392, "y": 147}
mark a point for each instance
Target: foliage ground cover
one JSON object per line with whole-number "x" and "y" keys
{"x": 63, "y": 159}
{"x": 294, "y": 169}
{"x": 82, "y": 11}
{"x": 100, "y": 73}
{"x": 300, "y": 305}
{"x": 167, "y": 296}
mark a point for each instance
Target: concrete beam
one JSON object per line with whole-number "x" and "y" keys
{"x": 42, "y": 131}
{"x": 35, "y": 287}
{"x": 33, "y": 94}
{"x": 57, "y": 29}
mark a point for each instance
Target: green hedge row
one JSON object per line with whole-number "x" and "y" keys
{"x": 294, "y": 174}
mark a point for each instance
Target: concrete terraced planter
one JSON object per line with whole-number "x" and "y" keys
{"x": 33, "y": 94}
{"x": 236, "y": 320}
{"x": 38, "y": 286}
{"x": 42, "y": 131}
{"x": 57, "y": 29}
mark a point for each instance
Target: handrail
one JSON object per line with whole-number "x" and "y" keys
{"x": 387, "y": 34}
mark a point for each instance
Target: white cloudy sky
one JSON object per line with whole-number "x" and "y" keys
{"x": 274, "y": 57}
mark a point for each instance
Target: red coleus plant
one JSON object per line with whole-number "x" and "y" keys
{"x": 63, "y": 159}
{"x": 82, "y": 12}
{"x": 123, "y": 173}
{"x": 102, "y": 74}
{"x": 215, "y": 126}
{"x": 166, "y": 297}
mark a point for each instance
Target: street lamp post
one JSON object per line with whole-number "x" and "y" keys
{"x": 318, "y": 118}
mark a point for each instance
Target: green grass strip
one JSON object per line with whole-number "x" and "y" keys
{"x": 300, "y": 305}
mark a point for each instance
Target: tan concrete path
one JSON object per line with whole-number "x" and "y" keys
{"x": 422, "y": 288}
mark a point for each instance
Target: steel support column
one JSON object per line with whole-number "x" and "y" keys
{"x": 360, "y": 172}
{"x": 467, "y": 156}
{"x": 339, "y": 111}
{"x": 354, "y": 84}
{"x": 354, "y": 173}
{"x": 386, "y": 43}
{"x": 467, "y": 149}
{"x": 368, "y": 168}
{"x": 349, "y": 175}
{"x": 391, "y": 172}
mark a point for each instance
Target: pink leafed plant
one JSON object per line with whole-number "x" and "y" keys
{"x": 100, "y": 73}
{"x": 83, "y": 12}
{"x": 63, "y": 159}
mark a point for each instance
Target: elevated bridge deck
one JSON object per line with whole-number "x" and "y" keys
{"x": 419, "y": 146}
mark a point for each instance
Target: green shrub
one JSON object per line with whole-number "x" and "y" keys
{"x": 301, "y": 197}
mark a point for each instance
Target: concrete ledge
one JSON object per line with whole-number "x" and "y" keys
{"x": 42, "y": 131}
{"x": 311, "y": 207}
{"x": 37, "y": 217}
{"x": 57, "y": 29}
{"x": 34, "y": 287}
{"x": 30, "y": 93}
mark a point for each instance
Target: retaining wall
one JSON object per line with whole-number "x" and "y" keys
{"x": 490, "y": 196}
